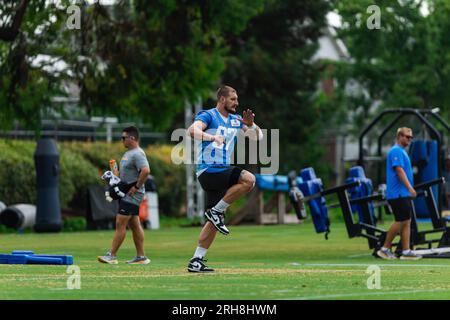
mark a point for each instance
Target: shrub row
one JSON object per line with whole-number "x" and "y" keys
{"x": 81, "y": 165}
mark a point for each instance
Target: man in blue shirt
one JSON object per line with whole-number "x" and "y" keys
{"x": 399, "y": 194}
{"x": 216, "y": 130}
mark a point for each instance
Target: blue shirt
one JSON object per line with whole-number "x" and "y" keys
{"x": 210, "y": 156}
{"x": 397, "y": 157}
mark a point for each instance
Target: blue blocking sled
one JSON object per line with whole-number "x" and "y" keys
{"x": 318, "y": 207}
{"x": 28, "y": 257}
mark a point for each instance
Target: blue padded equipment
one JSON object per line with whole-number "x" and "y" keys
{"x": 365, "y": 189}
{"x": 425, "y": 157}
{"x": 317, "y": 207}
{"x": 274, "y": 182}
{"x": 28, "y": 257}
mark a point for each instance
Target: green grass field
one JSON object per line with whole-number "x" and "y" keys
{"x": 253, "y": 262}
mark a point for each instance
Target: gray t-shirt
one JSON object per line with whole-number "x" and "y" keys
{"x": 132, "y": 162}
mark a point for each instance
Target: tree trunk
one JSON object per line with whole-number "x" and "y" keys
{"x": 10, "y": 33}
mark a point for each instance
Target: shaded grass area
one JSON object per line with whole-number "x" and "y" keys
{"x": 253, "y": 262}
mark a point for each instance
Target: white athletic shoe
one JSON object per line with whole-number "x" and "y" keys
{"x": 410, "y": 256}
{"x": 218, "y": 220}
{"x": 386, "y": 254}
{"x": 108, "y": 258}
{"x": 139, "y": 260}
{"x": 197, "y": 264}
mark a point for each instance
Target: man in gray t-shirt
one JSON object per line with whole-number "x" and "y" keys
{"x": 133, "y": 161}
{"x": 133, "y": 168}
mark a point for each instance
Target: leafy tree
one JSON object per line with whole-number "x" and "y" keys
{"x": 271, "y": 67}
{"x": 156, "y": 55}
{"x": 141, "y": 59}
{"x": 26, "y": 88}
{"x": 404, "y": 64}
{"x": 11, "y": 18}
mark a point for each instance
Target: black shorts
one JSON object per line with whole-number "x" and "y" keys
{"x": 217, "y": 184}
{"x": 128, "y": 209}
{"x": 401, "y": 208}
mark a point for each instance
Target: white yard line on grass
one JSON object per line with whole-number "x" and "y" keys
{"x": 364, "y": 294}
{"x": 400, "y": 264}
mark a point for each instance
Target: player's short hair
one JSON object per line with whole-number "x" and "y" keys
{"x": 132, "y": 131}
{"x": 224, "y": 91}
{"x": 402, "y": 131}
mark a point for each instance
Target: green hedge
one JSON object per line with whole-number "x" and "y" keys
{"x": 81, "y": 165}
{"x": 18, "y": 175}
{"x": 169, "y": 178}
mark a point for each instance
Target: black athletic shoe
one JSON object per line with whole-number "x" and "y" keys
{"x": 198, "y": 265}
{"x": 218, "y": 220}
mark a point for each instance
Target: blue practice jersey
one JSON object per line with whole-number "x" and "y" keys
{"x": 210, "y": 156}
{"x": 397, "y": 157}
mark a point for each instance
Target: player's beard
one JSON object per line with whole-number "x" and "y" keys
{"x": 230, "y": 110}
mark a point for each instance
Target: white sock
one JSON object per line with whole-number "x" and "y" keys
{"x": 221, "y": 206}
{"x": 384, "y": 248}
{"x": 406, "y": 251}
{"x": 200, "y": 252}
